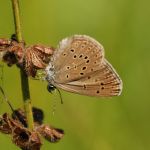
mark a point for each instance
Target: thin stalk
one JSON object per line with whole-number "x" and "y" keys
{"x": 24, "y": 77}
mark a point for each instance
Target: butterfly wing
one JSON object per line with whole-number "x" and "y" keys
{"x": 80, "y": 67}
{"x": 103, "y": 82}
{"x": 75, "y": 57}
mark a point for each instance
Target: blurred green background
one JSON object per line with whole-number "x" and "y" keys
{"x": 123, "y": 27}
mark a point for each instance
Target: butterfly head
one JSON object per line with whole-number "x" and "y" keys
{"x": 50, "y": 88}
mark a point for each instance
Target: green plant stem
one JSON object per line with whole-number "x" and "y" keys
{"x": 24, "y": 77}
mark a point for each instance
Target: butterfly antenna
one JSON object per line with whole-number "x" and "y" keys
{"x": 5, "y": 98}
{"x": 60, "y": 95}
{"x": 54, "y": 106}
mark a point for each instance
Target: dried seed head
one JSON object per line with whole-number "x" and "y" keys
{"x": 30, "y": 58}
{"x": 21, "y": 136}
{"x": 49, "y": 133}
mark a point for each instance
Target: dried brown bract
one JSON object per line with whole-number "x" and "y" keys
{"x": 36, "y": 57}
{"x": 4, "y": 44}
{"x": 49, "y": 133}
{"x": 26, "y": 139}
{"x": 5, "y": 124}
{"x": 12, "y": 51}
{"x": 30, "y": 58}
{"x": 19, "y": 114}
{"x": 21, "y": 136}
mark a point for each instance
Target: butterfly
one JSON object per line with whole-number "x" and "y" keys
{"x": 78, "y": 65}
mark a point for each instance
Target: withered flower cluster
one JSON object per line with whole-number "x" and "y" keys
{"x": 30, "y": 58}
{"x": 22, "y": 136}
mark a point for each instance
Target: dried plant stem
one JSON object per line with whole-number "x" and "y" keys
{"x": 24, "y": 78}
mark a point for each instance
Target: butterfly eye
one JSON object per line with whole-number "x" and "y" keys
{"x": 50, "y": 88}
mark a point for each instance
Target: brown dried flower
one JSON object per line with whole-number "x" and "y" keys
{"x": 49, "y": 133}
{"x": 31, "y": 58}
{"x": 21, "y": 136}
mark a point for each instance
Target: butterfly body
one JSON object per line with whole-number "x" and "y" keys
{"x": 78, "y": 65}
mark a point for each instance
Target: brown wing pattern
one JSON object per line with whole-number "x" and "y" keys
{"x": 103, "y": 82}
{"x": 76, "y": 57}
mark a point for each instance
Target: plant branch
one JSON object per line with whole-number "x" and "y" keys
{"x": 24, "y": 77}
